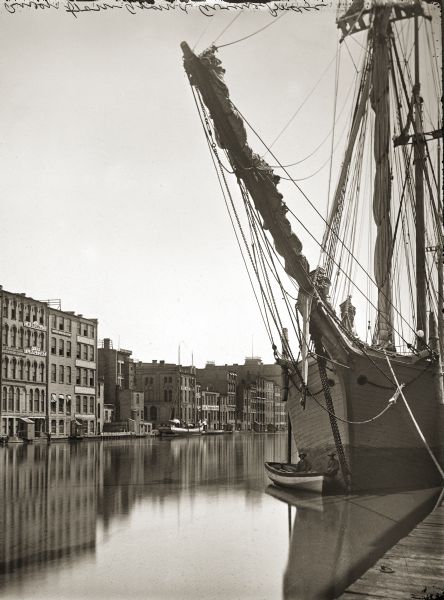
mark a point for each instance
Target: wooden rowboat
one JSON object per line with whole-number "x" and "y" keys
{"x": 286, "y": 475}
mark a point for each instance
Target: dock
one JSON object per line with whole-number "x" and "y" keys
{"x": 413, "y": 568}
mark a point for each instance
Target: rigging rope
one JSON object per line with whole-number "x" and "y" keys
{"x": 252, "y": 34}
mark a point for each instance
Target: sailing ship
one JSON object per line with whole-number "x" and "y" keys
{"x": 376, "y": 402}
{"x": 176, "y": 427}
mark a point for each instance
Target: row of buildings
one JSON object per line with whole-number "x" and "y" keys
{"x": 58, "y": 381}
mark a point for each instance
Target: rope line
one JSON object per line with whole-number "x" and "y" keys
{"x": 251, "y": 34}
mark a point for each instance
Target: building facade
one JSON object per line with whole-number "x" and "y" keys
{"x": 221, "y": 379}
{"x": 41, "y": 374}
{"x": 169, "y": 391}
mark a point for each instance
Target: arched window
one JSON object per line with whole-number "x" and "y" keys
{"x": 4, "y": 398}
{"x": 27, "y": 312}
{"x": 31, "y": 400}
{"x": 5, "y": 307}
{"x": 27, "y": 370}
{"x": 34, "y": 371}
{"x": 17, "y": 399}
{"x": 153, "y": 413}
{"x": 14, "y": 336}
{"x": 14, "y": 309}
{"x": 42, "y": 372}
{"x": 20, "y": 337}
{"x": 20, "y": 311}
{"x": 5, "y": 367}
{"x": 11, "y": 399}
{"x": 34, "y": 313}
{"x": 41, "y": 341}
{"x": 34, "y": 339}
{"x": 42, "y": 401}
{"x": 14, "y": 368}
{"x": 37, "y": 400}
{"x": 6, "y": 334}
{"x": 28, "y": 338}
{"x": 42, "y": 316}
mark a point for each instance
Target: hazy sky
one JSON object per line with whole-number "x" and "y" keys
{"x": 109, "y": 197}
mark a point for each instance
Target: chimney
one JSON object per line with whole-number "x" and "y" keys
{"x": 107, "y": 344}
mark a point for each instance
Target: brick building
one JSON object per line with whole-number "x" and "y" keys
{"x": 40, "y": 372}
{"x": 169, "y": 391}
{"x": 221, "y": 379}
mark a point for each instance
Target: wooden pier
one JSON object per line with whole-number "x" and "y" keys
{"x": 412, "y": 569}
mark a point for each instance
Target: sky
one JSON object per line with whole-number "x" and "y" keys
{"x": 109, "y": 198}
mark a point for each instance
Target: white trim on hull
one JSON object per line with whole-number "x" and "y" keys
{"x": 313, "y": 482}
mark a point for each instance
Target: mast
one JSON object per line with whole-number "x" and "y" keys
{"x": 421, "y": 299}
{"x": 379, "y": 98}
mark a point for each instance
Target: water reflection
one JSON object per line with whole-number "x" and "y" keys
{"x": 335, "y": 539}
{"x": 127, "y": 518}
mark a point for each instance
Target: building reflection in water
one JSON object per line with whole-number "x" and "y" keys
{"x": 53, "y": 496}
{"x": 87, "y": 515}
{"x": 48, "y": 495}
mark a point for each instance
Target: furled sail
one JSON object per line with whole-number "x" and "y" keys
{"x": 379, "y": 97}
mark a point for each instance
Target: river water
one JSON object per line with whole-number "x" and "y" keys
{"x": 182, "y": 519}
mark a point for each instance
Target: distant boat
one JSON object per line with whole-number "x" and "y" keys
{"x": 175, "y": 427}
{"x": 286, "y": 475}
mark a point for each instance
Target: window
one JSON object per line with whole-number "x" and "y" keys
{"x": 165, "y": 395}
{"x": 98, "y": 411}
{"x": 68, "y": 325}
{"x": 61, "y": 403}
{"x": 77, "y": 376}
{"x": 61, "y": 426}
{"x": 91, "y": 426}
{"x": 4, "y": 399}
{"x": 53, "y": 345}
{"x": 20, "y": 369}
{"x": 5, "y": 366}
{"x": 41, "y": 341}
{"x": 91, "y": 353}
{"x": 27, "y": 313}
{"x": 79, "y": 347}
{"x": 37, "y": 400}
{"x": 53, "y": 321}
{"x": 61, "y": 324}
{"x": 85, "y": 404}
{"x": 34, "y": 371}
{"x": 5, "y": 307}
{"x": 85, "y": 329}
{"x": 31, "y": 400}
{"x": 34, "y": 339}
{"x": 61, "y": 374}
{"x": 27, "y": 370}
{"x": 42, "y": 316}
{"x": 42, "y": 372}
{"x": 68, "y": 375}
{"x": 77, "y": 404}
{"x": 84, "y": 373}
{"x": 61, "y": 347}
{"x": 68, "y": 404}
{"x": 11, "y": 399}
{"x": 153, "y": 413}
{"x": 42, "y": 401}
{"x": 6, "y": 334}
{"x": 20, "y": 311}
{"x": 91, "y": 378}
{"x": 14, "y": 368}
{"x": 85, "y": 352}
{"x": 79, "y": 327}
{"x": 20, "y": 337}
{"x": 170, "y": 395}
{"x": 14, "y": 336}
{"x": 53, "y": 403}
{"x": 91, "y": 404}
{"x": 68, "y": 348}
{"x": 14, "y": 309}
{"x": 53, "y": 373}
{"x": 53, "y": 426}
{"x": 28, "y": 338}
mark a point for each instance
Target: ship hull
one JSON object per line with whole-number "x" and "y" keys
{"x": 386, "y": 453}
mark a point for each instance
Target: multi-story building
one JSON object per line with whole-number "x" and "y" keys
{"x": 116, "y": 368}
{"x": 222, "y": 379}
{"x": 169, "y": 391}
{"x": 132, "y": 411}
{"x": 211, "y": 409}
{"x": 23, "y": 349}
{"x": 48, "y": 360}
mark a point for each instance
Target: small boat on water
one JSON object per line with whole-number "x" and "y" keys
{"x": 287, "y": 475}
{"x": 175, "y": 427}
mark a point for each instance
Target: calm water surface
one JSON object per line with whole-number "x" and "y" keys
{"x": 182, "y": 518}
